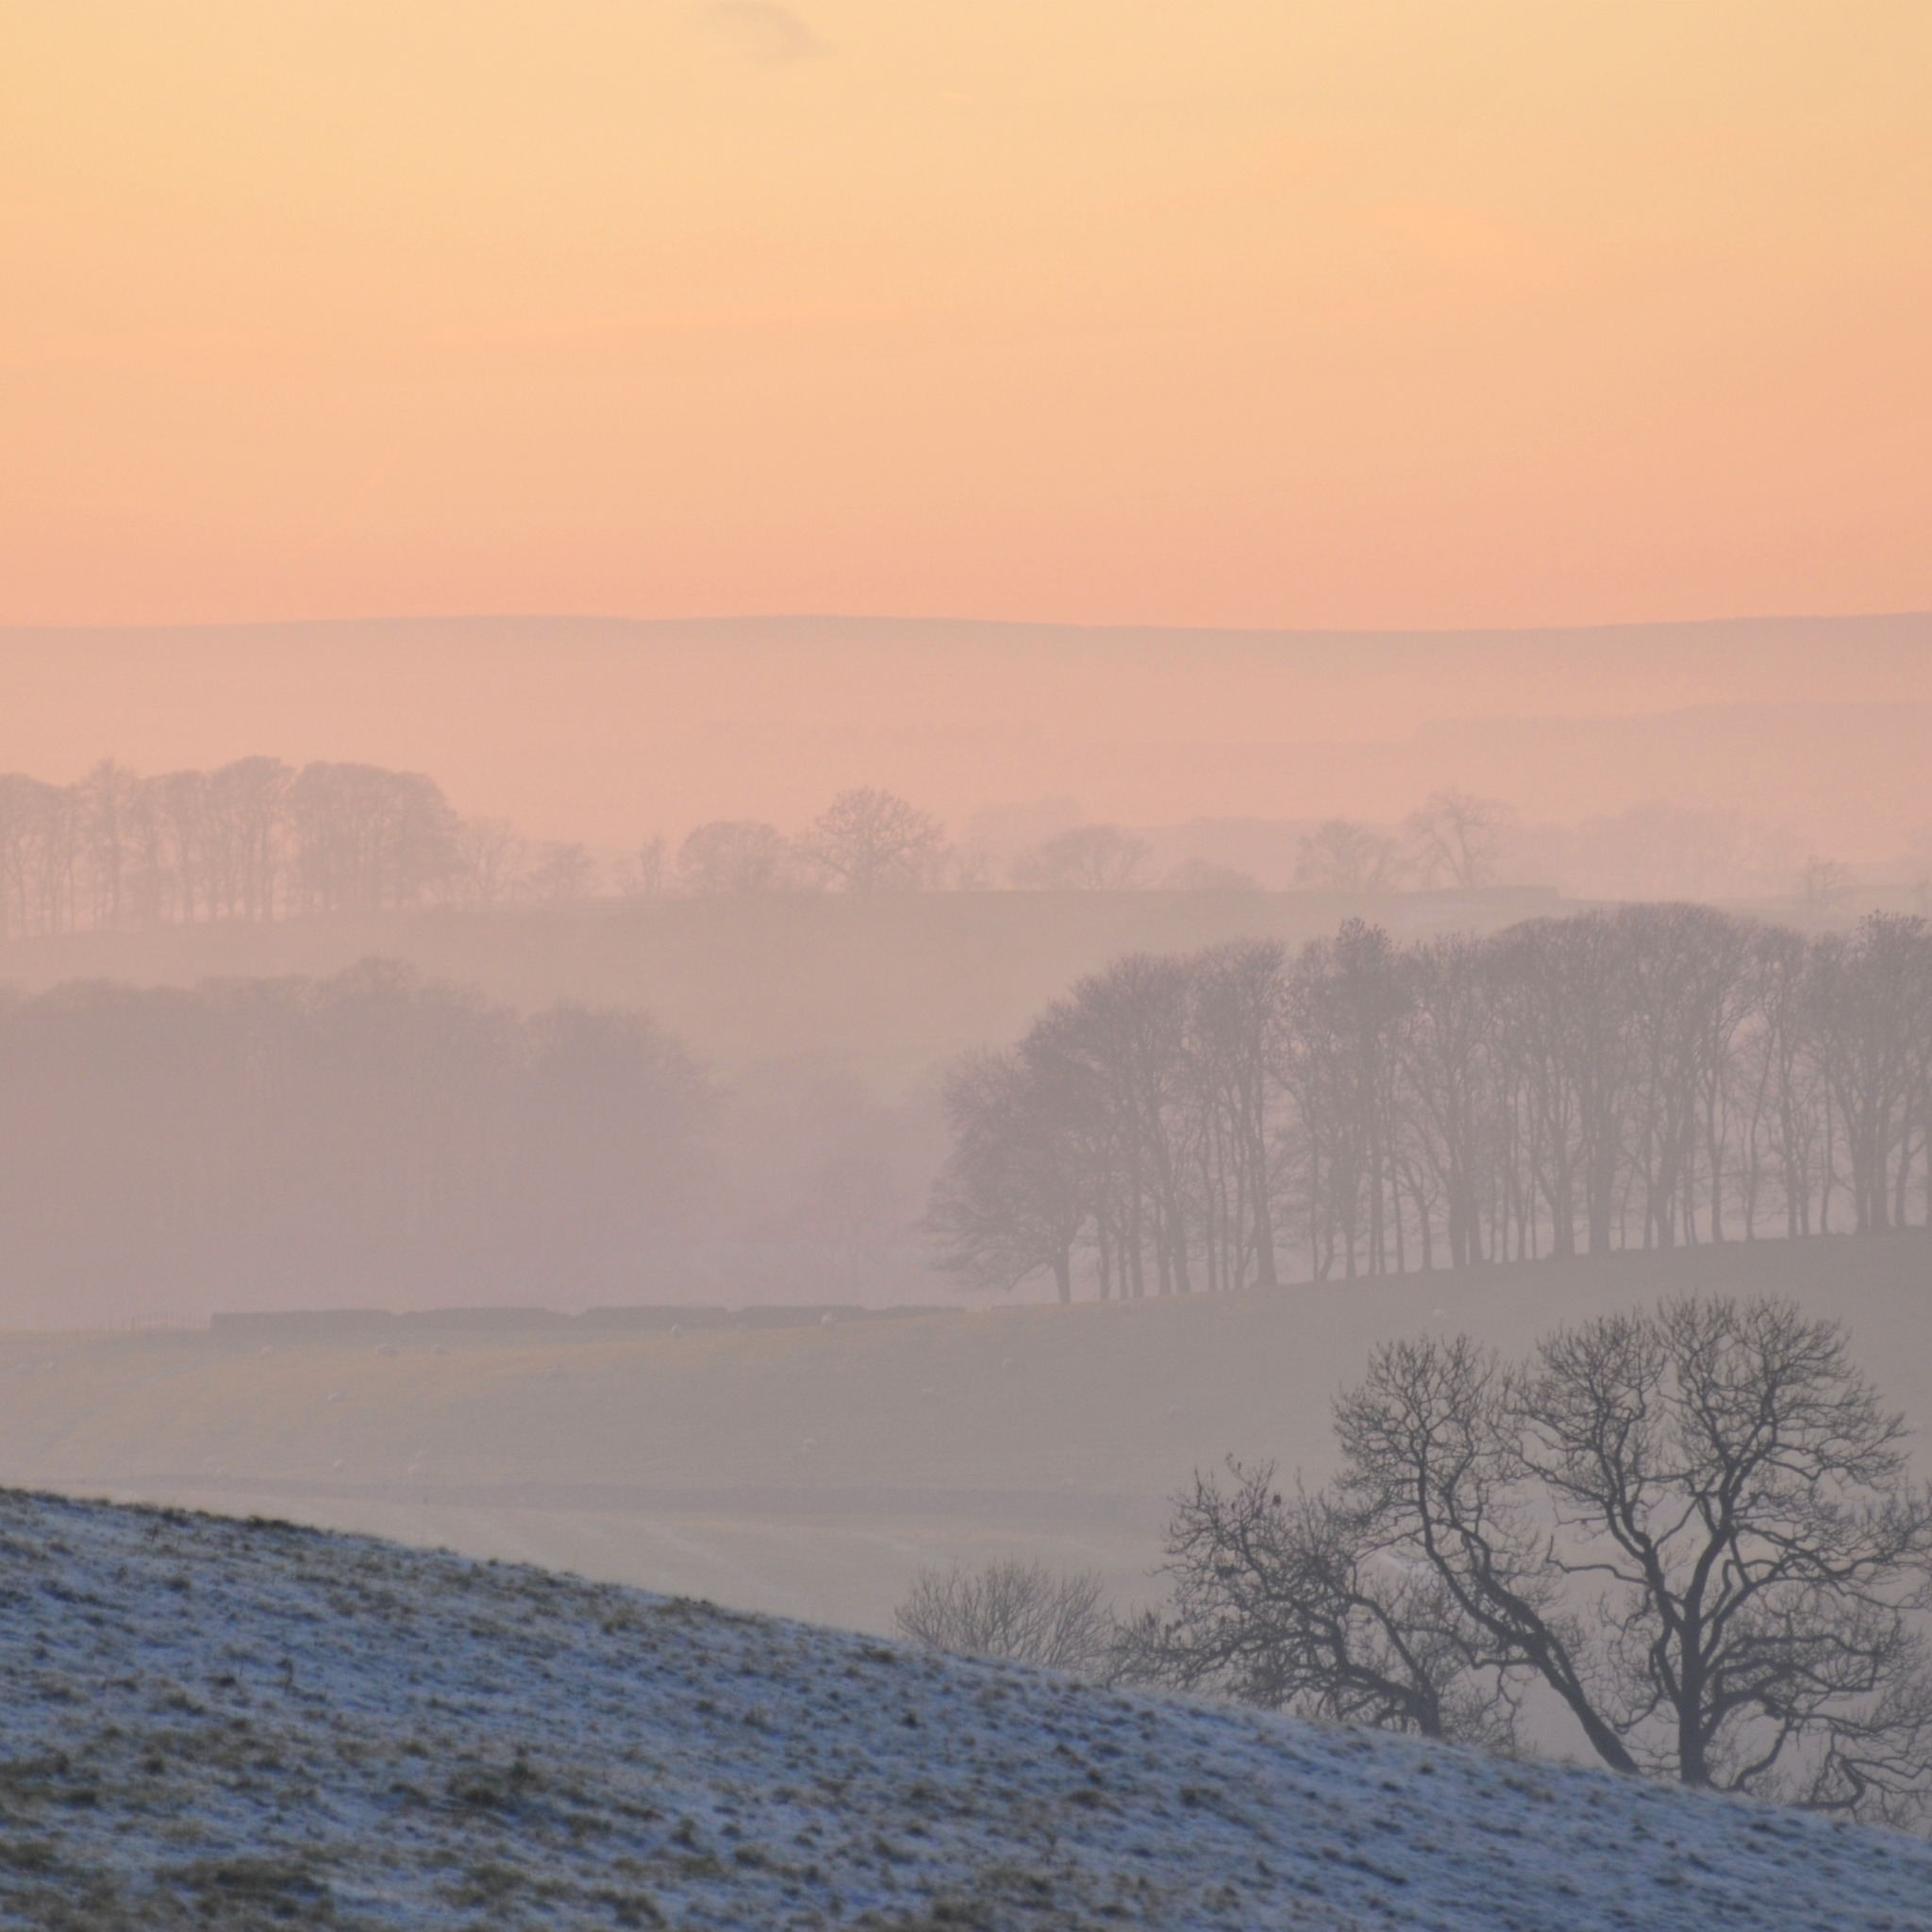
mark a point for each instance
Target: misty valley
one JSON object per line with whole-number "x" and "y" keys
{"x": 965, "y": 967}
{"x": 360, "y": 1167}
{"x": 1246, "y": 1113}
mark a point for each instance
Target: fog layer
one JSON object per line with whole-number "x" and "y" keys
{"x": 612, "y": 733}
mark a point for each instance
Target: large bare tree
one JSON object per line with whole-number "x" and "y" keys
{"x": 1296, "y": 1602}
{"x": 1695, "y": 1527}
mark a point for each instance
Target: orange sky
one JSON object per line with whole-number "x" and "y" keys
{"x": 1391, "y": 312}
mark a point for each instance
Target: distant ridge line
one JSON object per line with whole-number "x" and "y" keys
{"x": 812, "y": 622}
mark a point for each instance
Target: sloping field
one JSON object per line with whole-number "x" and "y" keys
{"x": 810, "y": 1472}
{"x": 215, "y": 1723}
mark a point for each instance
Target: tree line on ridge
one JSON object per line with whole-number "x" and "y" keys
{"x": 1641, "y": 1077}
{"x": 260, "y": 840}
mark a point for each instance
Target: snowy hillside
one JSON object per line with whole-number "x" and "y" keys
{"x": 212, "y": 1722}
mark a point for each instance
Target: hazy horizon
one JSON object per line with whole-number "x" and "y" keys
{"x": 932, "y": 813}
{"x": 613, "y": 731}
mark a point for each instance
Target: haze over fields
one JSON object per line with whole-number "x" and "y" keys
{"x": 1094, "y": 834}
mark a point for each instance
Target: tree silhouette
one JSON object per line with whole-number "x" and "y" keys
{"x": 1695, "y": 1528}
{"x": 734, "y": 857}
{"x": 1345, "y": 856}
{"x": 874, "y": 842}
{"x": 1644, "y": 1077}
{"x": 1090, "y": 858}
{"x": 1457, "y": 837}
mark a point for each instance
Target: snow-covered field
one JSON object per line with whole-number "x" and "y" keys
{"x": 214, "y": 1722}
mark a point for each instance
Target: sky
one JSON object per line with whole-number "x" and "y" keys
{"x": 1251, "y": 313}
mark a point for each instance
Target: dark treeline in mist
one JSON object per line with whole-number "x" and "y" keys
{"x": 260, "y": 840}
{"x": 1656, "y": 1075}
{"x": 368, "y": 1133}
{"x": 257, "y": 840}
{"x": 378, "y": 1138}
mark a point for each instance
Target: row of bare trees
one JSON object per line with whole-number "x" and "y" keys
{"x": 260, "y": 840}
{"x": 255, "y": 839}
{"x": 1643, "y": 1078}
{"x": 1451, "y": 839}
{"x": 866, "y": 840}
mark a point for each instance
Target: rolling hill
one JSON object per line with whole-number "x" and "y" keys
{"x": 239, "y": 1725}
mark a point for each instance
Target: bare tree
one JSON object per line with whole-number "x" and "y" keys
{"x": 640, "y": 873}
{"x": 1346, "y": 1007}
{"x": 1453, "y": 1087}
{"x": 1120, "y": 1048}
{"x": 490, "y": 862}
{"x": 1823, "y": 882}
{"x": 1695, "y": 1527}
{"x": 1090, "y": 858}
{"x": 1011, "y": 1199}
{"x": 1345, "y": 856}
{"x": 365, "y": 840}
{"x": 178, "y": 802}
{"x": 734, "y": 857}
{"x": 252, "y": 839}
{"x": 1870, "y": 997}
{"x": 43, "y": 838}
{"x": 1298, "y": 1603}
{"x": 110, "y": 811}
{"x": 1235, "y": 1041}
{"x": 874, "y": 842}
{"x": 563, "y": 872}
{"x": 1458, "y": 836}
{"x": 1014, "y": 1609}
{"x": 246, "y": 809}
{"x": 1782, "y": 1121}
{"x": 1643, "y": 1077}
